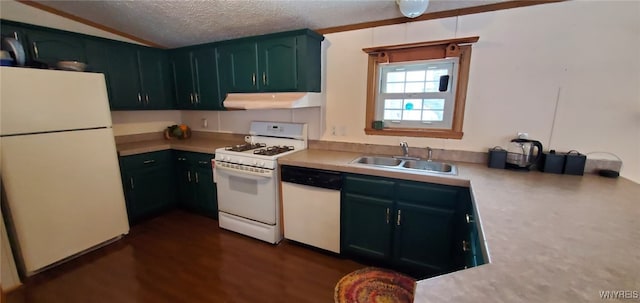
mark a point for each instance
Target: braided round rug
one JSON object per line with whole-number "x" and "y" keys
{"x": 374, "y": 285}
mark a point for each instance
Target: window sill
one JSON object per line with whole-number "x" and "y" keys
{"x": 415, "y": 132}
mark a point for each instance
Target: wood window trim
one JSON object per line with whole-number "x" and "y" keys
{"x": 413, "y": 52}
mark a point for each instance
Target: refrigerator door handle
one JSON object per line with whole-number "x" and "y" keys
{"x": 131, "y": 181}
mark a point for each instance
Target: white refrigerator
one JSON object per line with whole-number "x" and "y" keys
{"x": 61, "y": 187}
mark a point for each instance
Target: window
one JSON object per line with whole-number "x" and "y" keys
{"x": 416, "y": 95}
{"x": 418, "y": 89}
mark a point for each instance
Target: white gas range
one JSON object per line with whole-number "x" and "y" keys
{"x": 247, "y": 179}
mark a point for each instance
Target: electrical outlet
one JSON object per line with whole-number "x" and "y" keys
{"x": 205, "y": 123}
{"x": 333, "y": 130}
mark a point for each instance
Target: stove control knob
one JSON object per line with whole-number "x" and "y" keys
{"x": 261, "y": 164}
{"x": 240, "y": 161}
{"x": 254, "y": 163}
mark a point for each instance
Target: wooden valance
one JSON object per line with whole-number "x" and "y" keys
{"x": 419, "y": 51}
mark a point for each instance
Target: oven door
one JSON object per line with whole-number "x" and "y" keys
{"x": 247, "y": 194}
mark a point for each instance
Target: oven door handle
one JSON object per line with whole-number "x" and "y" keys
{"x": 244, "y": 174}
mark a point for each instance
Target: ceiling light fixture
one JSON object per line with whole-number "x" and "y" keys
{"x": 412, "y": 8}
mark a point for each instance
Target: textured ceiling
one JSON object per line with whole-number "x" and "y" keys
{"x": 179, "y": 23}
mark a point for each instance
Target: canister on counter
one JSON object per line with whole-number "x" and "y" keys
{"x": 552, "y": 162}
{"x": 574, "y": 163}
{"x": 497, "y": 157}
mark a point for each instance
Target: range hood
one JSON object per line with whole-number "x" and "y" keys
{"x": 272, "y": 100}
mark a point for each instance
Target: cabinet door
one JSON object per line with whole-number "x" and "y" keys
{"x": 206, "y": 191}
{"x": 50, "y": 47}
{"x": 183, "y": 80}
{"x": 153, "y": 67}
{"x": 186, "y": 180}
{"x": 423, "y": 237}
{"x": 366, "y": 226}
{"x": 206, "y": 79}
{"x": 98, "y": 60}
{"x": 278, "y": 68}
{"x": 239, "y": 65}
{"x": 150, "y": 190}
{"x": 124, "y": 77}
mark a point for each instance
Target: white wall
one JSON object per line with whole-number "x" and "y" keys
{"x": 16, "y": 11}
{"x": 580, "y": 55}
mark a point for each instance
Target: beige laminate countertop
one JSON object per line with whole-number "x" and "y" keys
{"x": 551, "y": 238}
{"x": 193, "y": 145}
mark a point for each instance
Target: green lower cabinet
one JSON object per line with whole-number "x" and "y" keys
{"x": 149, "y": 184}
{"x": 468, "y": 243}
{"x": 206, "y": 193}
{"x": 196, "y": 190}
{"x": 417, "y": 228}
{"x": 365, "y": 229}
{"x": 423, "y": 237}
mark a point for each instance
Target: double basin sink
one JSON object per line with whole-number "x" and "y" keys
{"x": 408, "y": 164}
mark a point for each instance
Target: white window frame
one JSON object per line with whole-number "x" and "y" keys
{"x": 449, "y": 96}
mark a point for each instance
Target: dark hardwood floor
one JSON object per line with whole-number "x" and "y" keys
{"x": 182, "y": 257}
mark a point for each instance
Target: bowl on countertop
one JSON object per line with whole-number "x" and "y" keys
{"x": 75, "y": 66}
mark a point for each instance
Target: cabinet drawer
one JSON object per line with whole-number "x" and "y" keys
{"x": 429, "y": 194}
{"x": 369, "y": 186}
{"x": 193, "y": 159}
{"x": 146, "y": 160}
{"x": 202, "y": 160}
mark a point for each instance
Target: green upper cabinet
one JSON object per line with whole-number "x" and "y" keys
{"x": 239, "y": 67}
{"x": 124, "y": 82}
{"x": 138, "y": 78}
{"x": 182, "y": 78}
{"x": 278, "y": 67}
{"x": 195, "y": 79}
{"x": 282, "y": 62}
{"x": 153, "y": 67}
{"x": 49, "y": 47}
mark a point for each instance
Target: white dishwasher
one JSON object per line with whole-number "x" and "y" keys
{"x": 311, "y": 206}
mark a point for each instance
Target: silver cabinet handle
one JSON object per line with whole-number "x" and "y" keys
{"x": 399, "y": 214}
{"x": 15, "y": 35}
{"x": 197, "y": 178}
{"x": 35, "y": 49}
{"x": 264, "y": 78}
{"x": 131, "y": 182}
{"x": 146, "y": 98}
{"x": 191, "y": 97}
{"x": 469, "y": 218}
{"x": 253, "y": 77}
{"x": 203, "y": 162}
{"x": 139, "y": 98}
{"x": 149, "y": 161}
{"x": 197, "y": 98}
{"x": 387, "y": 215}
{"x": 465, "y": 246}
{"x": 182, "y": 159}
{"x": 189, "y": 176}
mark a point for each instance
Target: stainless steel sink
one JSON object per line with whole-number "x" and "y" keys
{"x": 409, "y": 165}
{"x": 428, "y": 165}
{"x": 384, "y": 161}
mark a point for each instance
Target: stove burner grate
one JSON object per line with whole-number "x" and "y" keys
{"x": 273, "y": 150}
{"x": 244, "y": 147}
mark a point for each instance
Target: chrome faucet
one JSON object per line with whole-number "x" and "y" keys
{"x": 429, "y": 153}
{"x": 405, "y": 148}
